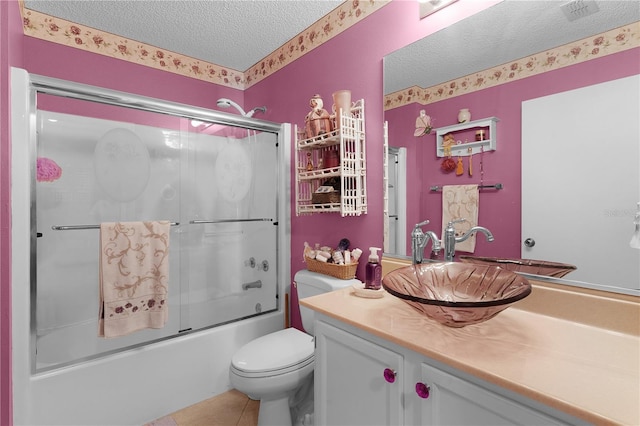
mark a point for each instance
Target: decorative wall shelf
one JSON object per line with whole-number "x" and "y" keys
{"x": 312, "y": 170}
{"x": 466, "y": 132}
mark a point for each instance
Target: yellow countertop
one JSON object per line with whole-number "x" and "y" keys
{"x": 589, "y": 371}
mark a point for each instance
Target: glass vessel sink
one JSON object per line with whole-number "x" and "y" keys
{"x": 457, "y": 294}
{"x": 528, "y": 266}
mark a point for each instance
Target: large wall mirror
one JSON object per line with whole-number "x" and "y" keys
{"x": 504, "y": 62}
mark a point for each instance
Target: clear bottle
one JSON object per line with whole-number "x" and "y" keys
{"x": 373, "y": 271}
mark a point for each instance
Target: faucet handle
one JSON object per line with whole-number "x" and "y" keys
{"x": 451, "y": 223}
{"x": 421, "y": 224}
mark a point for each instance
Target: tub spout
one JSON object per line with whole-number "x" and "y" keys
{"x": 254, "y": 284}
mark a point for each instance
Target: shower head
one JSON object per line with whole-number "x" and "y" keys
{"x": 226, "y": 103}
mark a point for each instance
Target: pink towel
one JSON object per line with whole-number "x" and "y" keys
{"x": 461, "y": 202}
{"x": 134, "y": 274}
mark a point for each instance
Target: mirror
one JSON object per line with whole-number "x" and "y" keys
{"x": 441, "y": 74}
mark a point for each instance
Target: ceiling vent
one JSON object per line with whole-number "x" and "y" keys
{"x": 579, "y": 9}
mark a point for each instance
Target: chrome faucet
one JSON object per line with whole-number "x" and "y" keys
{"x": 450, "y": 238}
{"x": 419, "y": 241}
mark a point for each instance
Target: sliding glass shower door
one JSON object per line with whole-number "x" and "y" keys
{"x": 217, "y": 185}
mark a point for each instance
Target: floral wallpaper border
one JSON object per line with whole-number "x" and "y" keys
{"x": 49, "y": 28}
{"x": 597, "y": 46}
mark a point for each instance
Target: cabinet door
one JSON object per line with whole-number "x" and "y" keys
{"x": 351, "y": 387}
{"x": 454, "y": 401}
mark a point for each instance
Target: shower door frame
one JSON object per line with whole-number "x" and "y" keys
{"x": 52, "y": 86}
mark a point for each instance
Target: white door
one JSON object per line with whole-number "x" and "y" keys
{"x": 581, "y": 180}
{"x": 397, "y": 199}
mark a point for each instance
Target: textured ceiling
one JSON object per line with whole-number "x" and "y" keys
{"x": 239, "y": 33}
{"x": 505, "y": 32}
{"x": 231, "y": 33}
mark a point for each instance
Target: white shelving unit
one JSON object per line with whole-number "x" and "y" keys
{"x": 349, "y": 141}
{"x": 468, "y": 148}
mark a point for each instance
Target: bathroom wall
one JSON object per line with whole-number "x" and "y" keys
{"x": 193, "y": 368}
{"x": 353, "y": 60}
{"x": 146, "y": 383}
{"x": 500, "y": 211}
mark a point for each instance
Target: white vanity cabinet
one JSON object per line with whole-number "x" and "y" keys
{"x": 355, "y": 385}
{"x": 350, "y": 384}
{"x": 452, "y": 400}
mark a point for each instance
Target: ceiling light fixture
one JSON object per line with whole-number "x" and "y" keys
{"x": 427, "y": 7}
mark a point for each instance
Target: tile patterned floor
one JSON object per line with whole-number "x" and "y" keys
{"x": 231, "y": 408}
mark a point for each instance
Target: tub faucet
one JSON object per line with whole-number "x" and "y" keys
{"x": 419, "y": 241}
{"x": 450, "y": 238}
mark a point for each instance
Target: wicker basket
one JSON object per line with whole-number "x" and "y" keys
{"x": 344, "y": 272}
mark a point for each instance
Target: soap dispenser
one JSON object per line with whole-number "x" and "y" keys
{"x": 373, "y": 272}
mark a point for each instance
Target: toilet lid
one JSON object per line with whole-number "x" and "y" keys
{"x": 274, "y": 351}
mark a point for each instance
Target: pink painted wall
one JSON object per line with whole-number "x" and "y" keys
{"x": 53, "y": 60}
{"x": 353, "y": 60}
{"x": 499, "y": 210}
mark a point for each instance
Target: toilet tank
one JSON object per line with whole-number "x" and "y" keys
{"x": 311, "y": 284}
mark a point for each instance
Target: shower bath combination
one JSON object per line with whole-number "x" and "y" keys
{"x": 216, "y": 299}
{"x": 226, "y": 103}
{"x": 135, "y": 161}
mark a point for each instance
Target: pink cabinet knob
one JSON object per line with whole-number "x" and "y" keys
{"x": 389, "y": 375}
{"x": 422, "y": 390}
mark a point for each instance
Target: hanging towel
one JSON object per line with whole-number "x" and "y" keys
{"x": 134, "y": 273}
{"x": 461, "y": 202}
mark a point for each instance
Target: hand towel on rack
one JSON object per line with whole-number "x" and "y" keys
{"x": 461, "y": 202}
{"x": 134, "y": 273}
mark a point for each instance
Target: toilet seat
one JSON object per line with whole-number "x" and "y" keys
{"x": 276, "y": 353}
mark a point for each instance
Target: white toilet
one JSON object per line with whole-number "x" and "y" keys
{"x": 272, "y": 367}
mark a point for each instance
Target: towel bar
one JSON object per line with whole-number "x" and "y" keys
{"x": 496, "y": 186}
{"x": 261, "y": 219}
{"x": 76, "y": 227}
